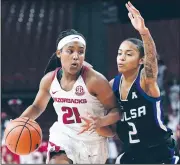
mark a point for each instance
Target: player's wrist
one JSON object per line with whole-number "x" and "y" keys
{"x": 100, "y": 122}
{"x": 144, "y": 31}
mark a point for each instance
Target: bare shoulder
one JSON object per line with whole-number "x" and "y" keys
{"x": 94, "y": 76}
{"x": 98, "y": 86}
{"x": 47, "y": 80}
{"x": 95, "y": 81}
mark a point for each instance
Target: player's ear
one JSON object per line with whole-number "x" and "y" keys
{"x": 141, "y": 60}
{"x": 58, "y": 53}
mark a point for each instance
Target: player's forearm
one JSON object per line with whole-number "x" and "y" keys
{"x": 105, "y": 132}
{"x": 150, "y": 59}
{"x": 32, "y": 112}
{"x": 112, "y": 117}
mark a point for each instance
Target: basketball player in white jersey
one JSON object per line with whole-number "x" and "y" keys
{"x": 77, "y": 91}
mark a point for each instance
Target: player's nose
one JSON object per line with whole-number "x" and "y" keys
{"x": 75, "y": 56}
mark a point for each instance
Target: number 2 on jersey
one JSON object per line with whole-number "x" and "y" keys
{"x": 133, "y": 132}
{"x": 70, "y": 112}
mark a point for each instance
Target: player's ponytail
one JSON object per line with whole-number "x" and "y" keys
{"x": 53, "y": 63}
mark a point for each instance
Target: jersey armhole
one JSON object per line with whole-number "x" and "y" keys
{"x": 83, "y": 72}
{"x": 55, "y": 72}
{"x": 141, "y": 91}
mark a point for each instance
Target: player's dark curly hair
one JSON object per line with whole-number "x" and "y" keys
{"x": 54, "y": 61}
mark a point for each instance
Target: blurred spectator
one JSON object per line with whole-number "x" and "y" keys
{"x": 15, "y": 107}
{"x": 162, "y": 77}
{"x": 4, "y": 121}
{"x": 178, "y": 136}
{"x": 43, "y": 149}
{"x": 163, "y": 86}
{"x": 174, "y": 119}
{"x": 36, "y": 157}
{"x": 174, "y": 95}
{"x": 8, "y": 157}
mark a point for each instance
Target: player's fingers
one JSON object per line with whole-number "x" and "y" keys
{"x": 87, "y": 120}
{"x": 91, "y": 127}
{"x": 128, "y": 7}
{"x": 92, "y": 116}
{"x": 132, "y": 9}
{"x": 91, "y": 124}
{"x": 83, "y": 130}
{"x": 131, "y": 5}
{"x": 130, "y": 16}
{"x": 91, "y": 132}
{"x": 84, "y": 125}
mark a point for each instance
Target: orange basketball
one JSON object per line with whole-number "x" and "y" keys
{"x": 23, "y": 136}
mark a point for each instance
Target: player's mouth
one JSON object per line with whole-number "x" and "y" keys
{"x": 74, "y": 65}
{"x": 120, "y": 65}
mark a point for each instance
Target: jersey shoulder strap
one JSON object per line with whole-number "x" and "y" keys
{"x": 116, "y": 83}
{"x": 56, "y": 71}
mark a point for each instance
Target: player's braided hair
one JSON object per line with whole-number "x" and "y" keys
{"x": 54, "y": 61}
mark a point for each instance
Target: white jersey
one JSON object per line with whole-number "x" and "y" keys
{"x": 70, "y": 105}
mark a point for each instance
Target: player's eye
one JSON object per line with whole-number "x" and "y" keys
{"x": 81, "y": 52}
{"x": 70, "y": 51}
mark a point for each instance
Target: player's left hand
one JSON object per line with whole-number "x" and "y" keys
{"x": 136, "y": 18}
{"x": 91, "y": 123}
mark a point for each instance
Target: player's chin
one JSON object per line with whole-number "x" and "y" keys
{"x": 121, "y": 70}
{"x": 74, "y": 70}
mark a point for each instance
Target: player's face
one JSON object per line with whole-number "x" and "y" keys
{"x": 72, "y": 57}
{"x": 128, "y": 58}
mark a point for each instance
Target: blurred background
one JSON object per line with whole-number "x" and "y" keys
{"x": 29, "y": 32}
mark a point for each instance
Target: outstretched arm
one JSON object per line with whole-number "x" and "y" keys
{"x": 150, "y": 59}
{"x": 150, "y": 71}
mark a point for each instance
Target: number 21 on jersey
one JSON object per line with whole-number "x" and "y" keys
{"x": 70, "y": 113}
{"x": 132, "y": 133}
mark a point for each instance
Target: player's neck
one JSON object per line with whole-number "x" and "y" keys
{"x": 130, "y": 76}
{"x": 69, "y": 77}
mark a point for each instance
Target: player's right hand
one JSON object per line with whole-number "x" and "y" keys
{"x": 91, "y": 123}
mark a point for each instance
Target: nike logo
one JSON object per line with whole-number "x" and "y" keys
{"x": 54, "y": 92}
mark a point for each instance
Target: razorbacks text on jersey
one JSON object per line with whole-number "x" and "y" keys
{"x": 142, "y": 121}
{"x": 70, "y": 105}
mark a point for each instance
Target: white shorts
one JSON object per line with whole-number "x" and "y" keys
{"x": 80, "y": 152}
